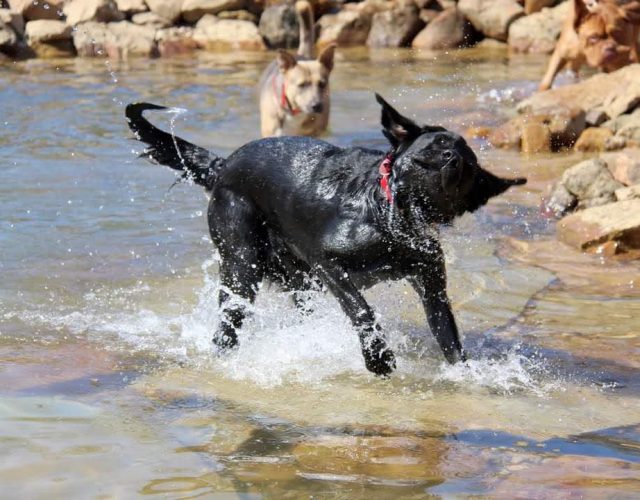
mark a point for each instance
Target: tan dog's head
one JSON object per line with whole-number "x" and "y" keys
{"x": 606, "y": 32}
{"x": 307, "y": 82}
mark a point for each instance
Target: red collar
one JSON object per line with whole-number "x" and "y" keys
{"x": 284, "y": 101}
{"x": 385, "y": 172}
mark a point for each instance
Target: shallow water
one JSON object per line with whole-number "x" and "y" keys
{"x": 108, "y": 386}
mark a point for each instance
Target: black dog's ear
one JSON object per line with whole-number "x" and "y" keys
{"x": 397, "y": 128}
{"x": 486, "y": 186}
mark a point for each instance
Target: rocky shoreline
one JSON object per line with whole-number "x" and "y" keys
{"x": 162, "y": 28}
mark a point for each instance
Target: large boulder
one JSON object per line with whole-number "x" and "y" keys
{"x": 169, "y": 9}
{"x": 100, "y": 11}
{"x": 131, "y": 7}
{"x": 150, "y": 19}
{"x": 570, "y": 109}
{"x": 175, "y": 41}
{"x": 492, "y": 17}
{"x": 279, "y": 27}
{"x": 13, "y": 20}
{"x": 45, "y": 30}
{"x": 624, "y": 165}
{"x": 448, "y": 30}
{"x": 626, "y": 126}
{"x": 396, "y": 27}
{"x": 612, "y": 93}
{"x": 349, "y": 27}
{"x": 587, "y": 184}
{"x": 560, "y": 127}
{"x": 32, "y": 10}
{"x": 532, "y": 6}
{"x": 115, "y": 40}
{"x": 616, "y": 223}
{"x": 538, "y": 32}
{"x": 225, "y": 34}
{"x": 8, "y": 39}
{"x": 193, "y": 10}
{"x": 49, "y": 38}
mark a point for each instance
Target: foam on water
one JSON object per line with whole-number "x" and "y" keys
{"x": 278, "y": 345}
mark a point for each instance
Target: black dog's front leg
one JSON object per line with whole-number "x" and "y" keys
{"x": 431, "y": 285}
{"x": 378, "y": 358}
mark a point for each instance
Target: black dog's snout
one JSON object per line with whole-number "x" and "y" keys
{"x": 317, "y": 108}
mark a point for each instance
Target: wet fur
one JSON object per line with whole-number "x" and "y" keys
{"x": 299, "y": 211}
{"x": 599, "y": 33}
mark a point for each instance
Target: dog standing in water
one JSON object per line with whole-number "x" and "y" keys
{"x": 294, "y": 91}
{"x": 600, "y": 33}
{"x": 297, "y": 210}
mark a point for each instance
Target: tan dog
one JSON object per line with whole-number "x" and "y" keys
{"x": 294, "y": 91}
{"x": 600, "y": 33}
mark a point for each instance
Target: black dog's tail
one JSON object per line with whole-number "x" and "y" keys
{"x": 197, "y": 163}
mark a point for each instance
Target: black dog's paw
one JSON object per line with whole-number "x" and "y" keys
{"x": 378, "y": 358}
{"x": 225, "y": 338}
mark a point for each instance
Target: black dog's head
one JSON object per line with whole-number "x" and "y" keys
{"x": 436, "y": 168}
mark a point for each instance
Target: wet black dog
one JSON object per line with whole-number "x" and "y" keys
{"x": 296, "y": 210}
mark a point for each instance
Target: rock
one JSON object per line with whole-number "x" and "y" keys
{"x": 508, "y": 135}
{"x": 131, "y": 7}
{"x": 49, "y": 38}
{"x": 536, "y": 138}
{"x": 538, "y": 32}
{"x": 279, "y": 27}
{"x": 532, "y": 6}
{"x": 624, "y": 165}
{"x": 238, "y": 15}
{"x": 176, "y": 41}
{"x": 12, "y": 19}
{"x": 396, "y": 27}
{"x": 613, "y": 93}
{"x": 428, "y": 15}
{"x": 150, "y": 19}
{"x": 491, "y": 17}
{"x": 591, "y": 183}
{"x": 115, "y": 40}
{"x": 587, "y": 184}
{"x": 626, "y": 126}
{"x": 593, "y": 139}
{"x": 628, "y": 192}
{"x": 449, "y": 30}
{"x": 347, "y": 28}
{"x": 618, "y": 222}
{"x": 225, "y": 34}
{"x": 100, "y": 11}
{"x": 193, "y": 10}
{"x": 8, "y": 39}
{"x": 46, "y": 30}
{"x": 564, "y": 126}
{"x": 32, "y": 10}
{"x": 169, "y": 9}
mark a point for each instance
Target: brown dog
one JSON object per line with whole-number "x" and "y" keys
{"x": 294, "y": 91}
{"x": 600, "y": 33}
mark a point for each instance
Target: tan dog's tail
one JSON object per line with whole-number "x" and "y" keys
{"x": 307, "y": 29}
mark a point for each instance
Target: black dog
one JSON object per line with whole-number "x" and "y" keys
{"x": 296, "y": 210}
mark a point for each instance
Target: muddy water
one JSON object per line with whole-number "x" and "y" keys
{"x": 109, "y": 389}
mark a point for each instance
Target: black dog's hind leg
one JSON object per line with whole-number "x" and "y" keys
{"x": 238, "y": 235}
{"x": 378, "y": 357}
{"x": 431, "y": 286}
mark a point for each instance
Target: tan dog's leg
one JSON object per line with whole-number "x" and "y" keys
{"x": 307, "y": 31}
{"x": 556, "y": 63}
